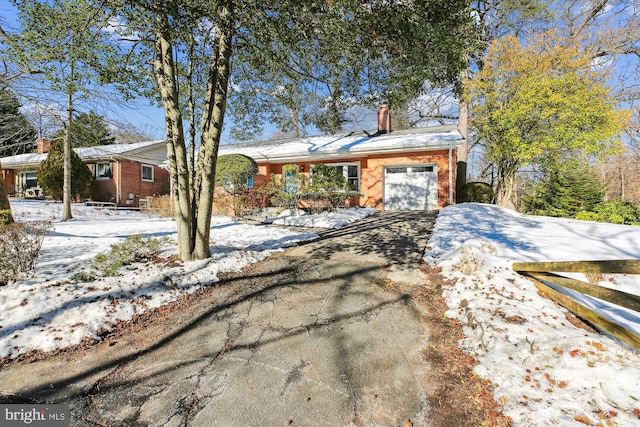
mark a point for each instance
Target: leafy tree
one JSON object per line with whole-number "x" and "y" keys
{"x": 347, "y": 55}
{"x": 17, "y": 136}
{"x": 607, "y": 31}
{"x": 88, "y": 130}
{"x": 51, "y": 174}
{"x": 232, "y": 174}
{"x": 62, "y": 42}
{"x": 537, "y": 101}
{"x": 175, "y": 36}
{"x": 492, "y": 19}
{"x": 564, "y": 190}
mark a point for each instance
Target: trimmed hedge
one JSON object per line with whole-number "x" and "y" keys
{"x": 477, "y": 192}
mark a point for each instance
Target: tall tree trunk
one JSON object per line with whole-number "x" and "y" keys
{"x": 176, "y": 150}
{"x": 66, "y": 181}
{"x": 295, "y": 122}
{"x": 505, "y": 185}
{"x": 212, "y": 121}
{"x": 4, "y": 200}
{"x": 461, "y": 163}
{"x": 191, "y": 106}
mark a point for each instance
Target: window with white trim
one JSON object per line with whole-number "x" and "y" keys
{"x": 147, "y": 173}
{"x": 103, "y": 171}
{"x": 350, "y": 171}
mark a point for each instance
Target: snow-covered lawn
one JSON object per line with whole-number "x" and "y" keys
{"x": 546, "y": 371}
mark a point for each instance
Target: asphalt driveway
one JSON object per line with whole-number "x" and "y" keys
{"x": 320, "y": 335}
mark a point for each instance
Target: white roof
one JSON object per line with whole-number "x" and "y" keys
{"x": 153, "y": 152}
{"x": 353, "y": 144}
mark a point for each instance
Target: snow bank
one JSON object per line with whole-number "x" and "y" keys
{"x": 546, "y": 370}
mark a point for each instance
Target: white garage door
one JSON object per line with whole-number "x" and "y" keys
{"x": 410, "y": 187}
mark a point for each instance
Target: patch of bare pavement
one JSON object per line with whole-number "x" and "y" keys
{"x": 341, "y": 331}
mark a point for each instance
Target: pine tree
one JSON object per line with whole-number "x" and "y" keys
{"x": 88, "y": 130}
{"x": 51, "y": 174}
{"x": 563, "y": 192}
{"x": 17, "y": 136}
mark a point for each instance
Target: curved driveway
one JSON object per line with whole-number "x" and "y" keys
{"x": 320, "y": 335}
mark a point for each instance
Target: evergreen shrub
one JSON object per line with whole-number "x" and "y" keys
{"x": 477, "y": 192}
{"x": 613, "y": 211}
{"x": 51, "y": 174}
{"x": 6, "y": 217}
{"x": 564, "y": 191}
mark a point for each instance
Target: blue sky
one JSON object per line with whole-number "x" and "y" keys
{"x": 140, "y": 113}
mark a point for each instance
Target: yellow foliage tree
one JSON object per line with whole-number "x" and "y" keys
{"x": 538, "y": 101}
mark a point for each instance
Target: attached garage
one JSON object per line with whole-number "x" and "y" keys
{"x": 412, "y": 187}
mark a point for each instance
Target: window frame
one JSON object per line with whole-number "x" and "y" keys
{"x": 103, "y": 177}
{"x": 345, "y": 172}
{"x": 142, "y": 168}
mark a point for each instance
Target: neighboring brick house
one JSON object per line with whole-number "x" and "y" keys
{"x": 412, "y": 169}
{"x": 124, "y": 173}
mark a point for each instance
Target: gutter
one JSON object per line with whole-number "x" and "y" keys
{"x": 450, "y": 173}
{"x": 117, "y": 180}
{"x": 307, "y": 156}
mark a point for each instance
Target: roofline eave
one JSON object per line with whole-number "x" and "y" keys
{"x": 345, "y": 154}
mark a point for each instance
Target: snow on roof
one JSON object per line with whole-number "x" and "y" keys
{"x": 348, "y": 145}
{"x": 139, "y": 151}
{"x": 116, "y": 149}
{"x": 22, "y": 160}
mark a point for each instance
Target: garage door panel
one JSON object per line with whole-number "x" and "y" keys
{"x": 410, "y": 188}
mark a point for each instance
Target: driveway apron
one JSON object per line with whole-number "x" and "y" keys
{"x": 320, "y": 335}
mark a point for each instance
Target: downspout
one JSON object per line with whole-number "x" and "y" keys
{"x": 450, "y": 173}
{"x": 118, "y": 183}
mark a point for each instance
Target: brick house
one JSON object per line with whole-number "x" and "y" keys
{"x": 124, "y": 173}
{"x": 412, "y": 169}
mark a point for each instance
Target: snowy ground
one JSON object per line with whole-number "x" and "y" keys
{"x": 546, "y": 371}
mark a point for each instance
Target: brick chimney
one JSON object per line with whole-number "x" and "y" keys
{"x": 384, "y": 120}
{"x": 43, "y": 145}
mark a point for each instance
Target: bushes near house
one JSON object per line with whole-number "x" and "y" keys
{"x": 160, "y": 205}
{"x": 20, "y": 245}
{"x": 614, "y": 211}
{"x": 477, "y": 192}
{"x": 233, "y": 172}
{"x": 328, "y": 189}
{"x": 285, "y": 190}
